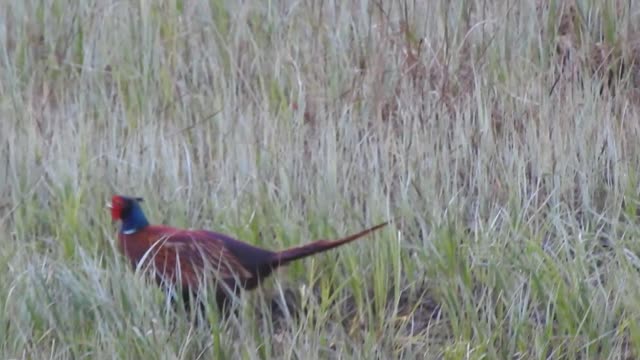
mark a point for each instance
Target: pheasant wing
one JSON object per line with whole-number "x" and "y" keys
{"x": 188, "y": 256}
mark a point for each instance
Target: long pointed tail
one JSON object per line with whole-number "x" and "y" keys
{"x": 286, "y": 256}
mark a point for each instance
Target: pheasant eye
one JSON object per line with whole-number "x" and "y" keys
{"x": 118, "y": 202}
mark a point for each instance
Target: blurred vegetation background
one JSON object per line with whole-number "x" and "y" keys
{"x": 503, "y": 133}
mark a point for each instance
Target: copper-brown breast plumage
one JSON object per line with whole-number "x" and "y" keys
{"x": 186, "y": 256}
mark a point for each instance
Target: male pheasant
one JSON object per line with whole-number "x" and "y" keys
{"x": 181, "y": 257}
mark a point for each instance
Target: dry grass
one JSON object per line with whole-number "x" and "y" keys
{"x": 505, "y": 135}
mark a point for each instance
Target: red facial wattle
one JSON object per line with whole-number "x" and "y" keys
{"x": 115, "y": 213}
{"x": 116, "y": 208}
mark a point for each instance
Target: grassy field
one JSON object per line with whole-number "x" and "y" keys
{"x": 503, "y": 134}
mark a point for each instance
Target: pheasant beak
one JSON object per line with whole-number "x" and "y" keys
{"x": 110, "y": 206}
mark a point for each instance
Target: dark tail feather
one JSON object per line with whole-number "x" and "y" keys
{"x": 286, "y": 256}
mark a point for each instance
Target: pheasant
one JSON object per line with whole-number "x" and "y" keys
{"x": 183, "y": 258}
